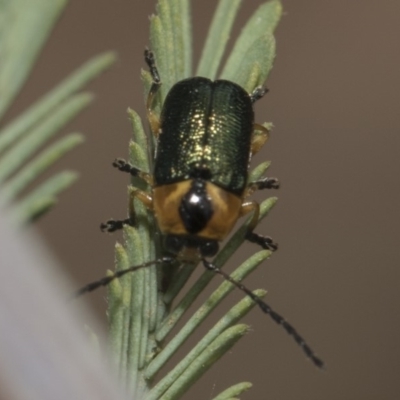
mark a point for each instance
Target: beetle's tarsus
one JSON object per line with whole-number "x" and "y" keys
{"x": 266, "y": 183}
{"x": 263, "y": 241}
{"x": 125, "y": 166}
{"x": 113, "y": 225}
{"x": 258, "y": 93}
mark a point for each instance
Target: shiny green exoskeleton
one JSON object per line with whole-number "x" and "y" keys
{"x": 207, "y": 128}
{"x": 206, "y": 137}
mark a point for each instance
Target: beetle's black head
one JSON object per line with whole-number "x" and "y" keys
{"x": 191, "y": 248}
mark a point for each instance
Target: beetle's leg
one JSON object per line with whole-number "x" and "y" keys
{"x": 144, "y": 197}
{"x": 125, "y": 166}
{"x": 257, "y": 142}
{"x": 248, "y": 207}
{"x": 258, "y": 139}
{"x": 113, "y": 225}
{"x": 152, "y": 117}
{"x": 264, "y": 241}
{"x": 258, "y": 93}
{"x": 264, "y": 183}
{"x": 151, "y": 62}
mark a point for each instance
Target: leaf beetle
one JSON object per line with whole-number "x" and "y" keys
{"x": 205, "y": 141}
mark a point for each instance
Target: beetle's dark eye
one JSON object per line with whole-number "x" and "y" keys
{"x": 174, "y": 244}
{"x": 209, "y": 249}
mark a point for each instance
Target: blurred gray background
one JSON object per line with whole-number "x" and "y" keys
{"x": 334, "y": 100}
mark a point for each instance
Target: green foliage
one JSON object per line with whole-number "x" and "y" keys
{"x": 24, "y": 28}
{"x": 142, "y": 312}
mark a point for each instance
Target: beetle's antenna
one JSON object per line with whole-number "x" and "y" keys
{"x": 268, "y": 310}
{"x": 107, "y": 279}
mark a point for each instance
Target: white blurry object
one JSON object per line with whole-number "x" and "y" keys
{"x": 44, "y": 354}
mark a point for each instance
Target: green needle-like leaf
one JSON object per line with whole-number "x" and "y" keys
{"x": 170, "y": 37}
{"x": 259, "y": 171}
{"x": 249, "y": 73}
{"x": 140, "y": 159}
{"x": 43, "y": 197}
{"x": 252, "y": 56}
{"x": 42, "y": 108}
{"x": 23, "y": 31}
{"x": 224, "y": 289}
{"x": 217, "y": 38}
{"x": 41, "y": 162}
{"x": 232, "y": 317}
{"x": 20, "y": 152}
{"x": 208, "y": 357}
{"x": 233, "y": 391}
{"x": 178, "y": 280}
{"x": 119, "y": 298}
{"x": 24, "y": 27}
{"x": 137, "y": 333}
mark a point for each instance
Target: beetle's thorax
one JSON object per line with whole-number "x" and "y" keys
{"x": 195, "y": 208}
